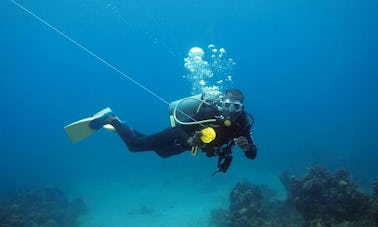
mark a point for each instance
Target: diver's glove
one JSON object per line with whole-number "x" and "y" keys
{"x": 195, "y": 140}
{"x": 243, "y": 143}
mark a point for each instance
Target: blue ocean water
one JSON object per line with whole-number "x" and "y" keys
{"x": 308, "y": 70}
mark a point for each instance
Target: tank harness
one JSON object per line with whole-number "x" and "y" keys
{"x": 208, "y": 133}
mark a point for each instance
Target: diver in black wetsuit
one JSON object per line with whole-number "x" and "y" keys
{"x": 225, "y": 116}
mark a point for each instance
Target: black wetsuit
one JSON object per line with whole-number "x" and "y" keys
{"x": 173, "y": 141}
{"x": 166, "y": 143}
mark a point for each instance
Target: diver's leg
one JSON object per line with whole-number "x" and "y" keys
{"x": 170, "y": 150}
{"x": 165, "y": 143}
{"x": 126, "y": 134}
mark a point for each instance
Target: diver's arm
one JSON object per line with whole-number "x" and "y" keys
{"x": 251, "y": 152}
{"x": 247, "y": 145}
{"x": 246, "y": 141}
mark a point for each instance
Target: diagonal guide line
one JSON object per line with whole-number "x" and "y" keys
{"x": 89, "y": 52}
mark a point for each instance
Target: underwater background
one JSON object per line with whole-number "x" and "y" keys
{"x": 308, "y": 70}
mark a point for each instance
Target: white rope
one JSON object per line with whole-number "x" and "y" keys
{"x": 102, "y": 60}
{"x": 89, "y": 51}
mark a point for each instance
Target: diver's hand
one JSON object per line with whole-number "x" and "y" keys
{"x": 242, "y": 142}
{"x": 195, "y": 140}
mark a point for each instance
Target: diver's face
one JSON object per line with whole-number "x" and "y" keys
{"x": 231, "y": 108}
{"x": 231, "y": 105}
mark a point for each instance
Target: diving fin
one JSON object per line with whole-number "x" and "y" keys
{"x": 81, "y": 129}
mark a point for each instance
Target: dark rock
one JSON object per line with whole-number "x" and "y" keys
{"x": 319, "y": 199}
{"x": 46, "y": 207}
{"x": 328, "y": 198}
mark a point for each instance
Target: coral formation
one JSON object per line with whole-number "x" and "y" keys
{"x": 374, "y": 209}
{"x": 375, "y": 188}
{"x": 320, "y": 199}
{"x": 46, "y": 207}
{"x": 330, "y": 198}
{"x": 248, "y": 207}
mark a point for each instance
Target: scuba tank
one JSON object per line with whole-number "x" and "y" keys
{"x": 184, "y": 109}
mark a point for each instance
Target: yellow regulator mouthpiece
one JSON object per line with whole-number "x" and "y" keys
{"x": 208, "y": 135}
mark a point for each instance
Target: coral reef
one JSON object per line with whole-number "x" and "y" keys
{"x": 248, "y": 207}
{"x": 328, "y": 198}
{"x": 47, "y": 207}
{"x": 374, "y": 201}
{"x": 320, "y": 199}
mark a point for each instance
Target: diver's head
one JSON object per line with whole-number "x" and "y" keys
{"x": 232, "y": 104}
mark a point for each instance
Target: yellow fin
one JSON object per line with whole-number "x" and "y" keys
{"x": 80, "y": 129}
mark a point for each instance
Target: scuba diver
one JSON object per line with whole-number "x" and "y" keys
{"x": 213, "y": 125}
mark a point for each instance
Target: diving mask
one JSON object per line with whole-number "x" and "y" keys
{"x": 232, "y": 105}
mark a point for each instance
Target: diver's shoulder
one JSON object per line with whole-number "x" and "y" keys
{"x": 246, "y": 118}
